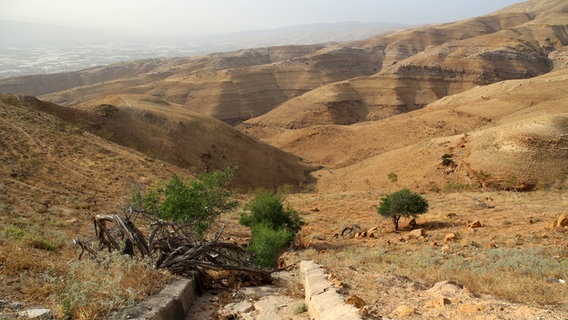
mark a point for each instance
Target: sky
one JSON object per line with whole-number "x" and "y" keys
{"x": 200, "y": 17}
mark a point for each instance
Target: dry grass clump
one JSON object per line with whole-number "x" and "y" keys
{"x": 44, "y": 271}
{"x": 92, "y": 290}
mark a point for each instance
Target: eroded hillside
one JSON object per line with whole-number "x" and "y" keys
{"x": 367, "y": 80}
{"x": 185, "y": 139}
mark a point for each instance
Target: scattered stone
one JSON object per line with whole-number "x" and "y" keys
{"x": 356, "y": 301}
{"x": 446, "y": 249}
{"x": 469, "y": 308}
{"x": 17, "y": 305}
{"x": 238, "y": 308}
{"x": 405, "y": 311}
{"x": 439, "y": 304}
{"x": 450, "y": 237}
{"x": 554, "y": 280}
{"x": 412, "y": 223}
{"x": 474, "y": 224}
{"x": 416, "y": 234}
{"x": 35, "y": 314}
{"x": 71, "y": 221}
{"x": 364, "y": 312}
{"x": 479, "y": 204}
{"x": 562, "y": 221}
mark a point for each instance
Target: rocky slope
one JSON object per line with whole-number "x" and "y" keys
{"x": 514, "y": 131}
{"x": 171, "y": 133}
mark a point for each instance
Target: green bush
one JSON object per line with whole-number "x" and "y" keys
{"x": 402, "y": 203}
{"x": 195, "y": 203}
{"x": 273, "y": 226}
{"x": 266, "y": 208}
{"x": 268, "y": 244}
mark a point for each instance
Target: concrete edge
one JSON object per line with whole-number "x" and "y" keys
{"x": 322, "y": 298}
{"x": 172, "y": 303}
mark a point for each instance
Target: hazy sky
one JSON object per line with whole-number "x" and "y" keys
{"x": 213, "y": 16}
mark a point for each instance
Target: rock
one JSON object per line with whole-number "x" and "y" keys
{"x": 446, "y": 249}
{"x": 468, "y": 308}
{"x": 439, "y": 304}
{"x": 405, "y": 311}
{"x": 17, "y": 305}
{"x": 356, "y": 301}
{"x": 412, "y": 223}
{"x": 416, "y": 234}
{"x": 450, "y": 237}
{"x": 364, "y": 312}
{"x": 238, "y": 308}
{"x": 474, "y": 224}
{"x": 450, "y": 288}
{"x": 562, "y": 221}
{"x": 71, "y": 221}
{"x": 452, "y": 215}
{"x": 35, "y": 314}
{"x": 3, "y": 303}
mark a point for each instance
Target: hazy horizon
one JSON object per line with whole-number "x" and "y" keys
{"x": 179, "y": 17}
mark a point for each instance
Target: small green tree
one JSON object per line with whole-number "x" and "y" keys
{"x": 402, "y": 203}
{"x": 194, "y": 204}
{"x": 273, "y": 226}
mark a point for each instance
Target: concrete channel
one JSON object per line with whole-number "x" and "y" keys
{"x": 174, "y": 302}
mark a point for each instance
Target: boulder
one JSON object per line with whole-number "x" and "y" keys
{"x": 416, "y": 234}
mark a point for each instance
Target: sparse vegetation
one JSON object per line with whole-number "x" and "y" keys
{"x": 301, "y": 308}
{"x": 403, "y": 203}
{"x": 514, "y": 274}
{"x": 92, "y": 290}
{"x": 447, "y": 159}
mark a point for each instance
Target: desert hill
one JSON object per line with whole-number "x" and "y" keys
{"x": 510, "y": 134}
{"x": 191, "y": 141}
{"x": 366, "y": 80}
{"x": 342, "y": 105}
{"x": 423, "y": 65}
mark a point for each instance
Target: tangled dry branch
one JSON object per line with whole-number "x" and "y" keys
{"x": 171, "y": 247}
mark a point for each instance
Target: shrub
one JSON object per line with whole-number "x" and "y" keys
{"x": 266, "y": 208}
{"x": 402, "y": 203}
{"x": 273, "y": 226}
{"x": 268, "y": 244}
{"x": 195, "y": 203}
